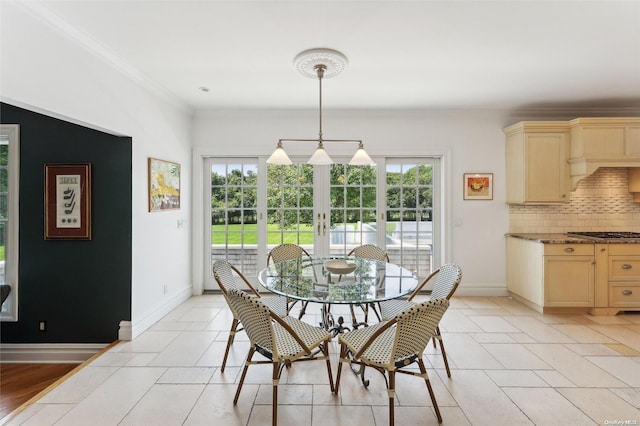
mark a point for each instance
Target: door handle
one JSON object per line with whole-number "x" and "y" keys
{"x": 324, "y": 224}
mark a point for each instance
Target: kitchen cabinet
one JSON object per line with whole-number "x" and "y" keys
{"x": 602, "y": 142}
{"x": 624, "y": 276}
{"x": 536, "y": 162}
{"x": 551, "y": 277}
{"x": 556, "y": 273}
{"x": 569, "y": 271}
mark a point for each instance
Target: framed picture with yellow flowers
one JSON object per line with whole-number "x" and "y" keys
{"x": 164, "y": 185}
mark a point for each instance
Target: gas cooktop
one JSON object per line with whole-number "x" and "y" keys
{"x": 606, "y": 235}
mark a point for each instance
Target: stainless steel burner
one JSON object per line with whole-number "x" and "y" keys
{"x": 606, "y": 235}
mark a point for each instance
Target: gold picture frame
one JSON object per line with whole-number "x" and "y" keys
{"x": 164, "y": 185}
{"x": 477, "y": 186}
{"x": 67, "y": 201}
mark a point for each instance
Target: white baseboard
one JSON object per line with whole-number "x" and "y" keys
{"x": 136, "y": 327}
{"x": 124, "y": 332}
{"x": 482, "y": 291}
{"x": 48, "y": 353}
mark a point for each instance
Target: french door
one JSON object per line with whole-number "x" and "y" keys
{"x": 328, "y": 210}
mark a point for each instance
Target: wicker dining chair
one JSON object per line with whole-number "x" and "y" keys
{"x": 281, "y": 340}
{"x": 223, "y": 272}
{"x": 446, "y": 280}
{"x": 369, "y": 251}
{"x": 287, "y": 252}
{"x": 390, "y": 346}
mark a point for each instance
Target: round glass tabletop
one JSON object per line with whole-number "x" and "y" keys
{"x": 353, "y": 281}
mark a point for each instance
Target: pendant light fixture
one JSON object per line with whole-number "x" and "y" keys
{"x": 320, "y": 63}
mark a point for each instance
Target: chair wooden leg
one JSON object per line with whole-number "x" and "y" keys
{"x": 274, "y": 401}
{"x": 375, "y": 310}
{"x": 232, "y": 335}
{"x": 391, "y": 391}
{"x": 354, "y": 320}
{"x": 303, "y": 309}
{"x": 290, "y": 304}
{"x": 423, "y": 370}
{"x": 444, "y": 355}
{"x": 343, "y": 354}
{"x": 325, "y": 351}
{"x": 244, "y": 373}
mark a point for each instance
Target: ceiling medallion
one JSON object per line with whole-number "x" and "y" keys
{"x": 307, "y": 61}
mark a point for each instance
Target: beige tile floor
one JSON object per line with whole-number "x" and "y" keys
{"x": 510, "y": 366}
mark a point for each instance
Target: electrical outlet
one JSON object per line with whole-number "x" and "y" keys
{"x": 166, "y": 289}
{"x": 42, "y": 326}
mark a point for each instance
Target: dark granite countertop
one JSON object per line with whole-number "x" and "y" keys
{"x": 570, "y": 239}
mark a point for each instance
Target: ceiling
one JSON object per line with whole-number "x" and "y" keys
{"x": 402, "y": 54}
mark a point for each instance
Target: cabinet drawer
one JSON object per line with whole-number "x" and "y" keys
{"x": 624, "y": 249}
{"x": 624, "y": 268}
{"x": 624, "y": 295}
{"x": 568, "y": 249}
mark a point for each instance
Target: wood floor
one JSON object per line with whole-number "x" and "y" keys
{"x": 21, "y": 382}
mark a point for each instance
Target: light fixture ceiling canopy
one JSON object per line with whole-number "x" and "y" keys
{"x": 308, "y": 61}
{"x": 320, "y": 63}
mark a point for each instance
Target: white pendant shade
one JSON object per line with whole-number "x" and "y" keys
{"x": 361, "y": 158}
{"x": 320, "y": 157}
{"x": 279, "y": 157}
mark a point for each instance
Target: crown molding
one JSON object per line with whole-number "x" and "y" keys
{"x": 94, "y": 47}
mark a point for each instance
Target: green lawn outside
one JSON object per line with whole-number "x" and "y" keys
{"x": 250, "y": 234}
{"x": 236, "y": 232}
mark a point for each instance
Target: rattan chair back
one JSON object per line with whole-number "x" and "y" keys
{"x": 286, "y": 252}
{"x": 255, "y": 318}
{"x": 407, "y": 339}
{"x": 415, "y": 327}
{"x": 446, "y": 281}
{"x": 223, "y": 273}
{"x": 370, "y": 251}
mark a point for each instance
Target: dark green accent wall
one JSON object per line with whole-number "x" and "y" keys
{"x": 81, "y": 288}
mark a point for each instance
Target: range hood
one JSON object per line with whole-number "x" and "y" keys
{"x": 603, "y": 142}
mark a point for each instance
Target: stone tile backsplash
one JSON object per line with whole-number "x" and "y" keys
{"x": 601, "y": 202}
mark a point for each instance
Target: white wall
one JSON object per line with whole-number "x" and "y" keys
{"x": 471, "y": 141}
{"x": 42, "y": 69}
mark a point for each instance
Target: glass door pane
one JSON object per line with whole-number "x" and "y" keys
{"x": 290, "y": 205}
{"x": 234, "y": 215}
{"x": 352, "y": 206}
{"x": 409, "y": 197}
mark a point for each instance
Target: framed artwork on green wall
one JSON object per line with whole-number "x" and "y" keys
{"x": 67, "y": 198}
{"x": 164, "y": 185}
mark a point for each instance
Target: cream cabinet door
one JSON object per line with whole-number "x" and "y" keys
{"x": 569, "y": 281}
{"x": 536, "y": 163}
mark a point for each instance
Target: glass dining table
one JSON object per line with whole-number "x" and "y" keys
{"x": 331, "y": 281}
